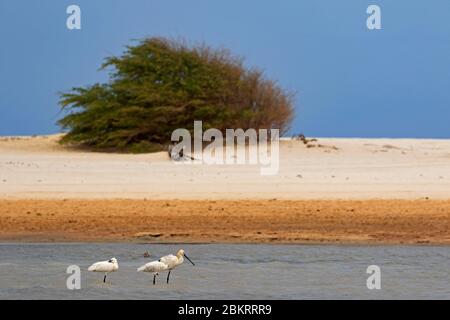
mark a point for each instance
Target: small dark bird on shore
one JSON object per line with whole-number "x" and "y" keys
{"x": 181, "y": 156}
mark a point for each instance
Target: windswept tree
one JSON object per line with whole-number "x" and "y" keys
{"x": 160, "y": 85}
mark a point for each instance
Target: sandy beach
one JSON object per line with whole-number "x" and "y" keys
{"x": 328, "y": 191}
{"x": 225, "y": 221}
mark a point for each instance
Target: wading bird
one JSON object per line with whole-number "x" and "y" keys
{"x": 172, "y": 261}
{"x": 165, "y": 263}
{"x": 105, "y": 267}
{"x": 154, "y": 267}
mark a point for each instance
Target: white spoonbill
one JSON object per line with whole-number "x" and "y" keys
{"x": 172, "y": 261}
{"x": 154, "y": 267}
{"x": 105, "y": 266}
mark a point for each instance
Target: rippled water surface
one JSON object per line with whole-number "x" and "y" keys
{"x": 38, "y": 271}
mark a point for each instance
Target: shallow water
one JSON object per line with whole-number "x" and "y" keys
{"x": 38, "y": 271}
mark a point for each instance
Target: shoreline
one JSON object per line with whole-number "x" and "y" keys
{"x": 338, "y": 222}
{"x": 331, "y": 191}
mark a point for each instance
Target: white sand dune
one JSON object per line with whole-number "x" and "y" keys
{"x": 37, "y": 167}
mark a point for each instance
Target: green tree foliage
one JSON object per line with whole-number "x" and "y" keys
{"x": 160, "y": 85}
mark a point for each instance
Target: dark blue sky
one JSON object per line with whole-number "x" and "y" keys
{"x": 350, "y": 81}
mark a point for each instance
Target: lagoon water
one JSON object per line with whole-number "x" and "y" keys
{"x": 38, "y": 271}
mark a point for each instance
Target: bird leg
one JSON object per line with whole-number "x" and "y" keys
{"x": 104, "y": 278}
{"x": 154, "y": 279}
{"x": 168, "y": 276}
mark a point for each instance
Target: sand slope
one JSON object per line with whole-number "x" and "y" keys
{"x": 236, "y": 221}
{"x": 322, "y": 194}
{"x": 38, "y": 168}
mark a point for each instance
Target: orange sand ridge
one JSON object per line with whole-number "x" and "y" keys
{"x": 230, "y": 221}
